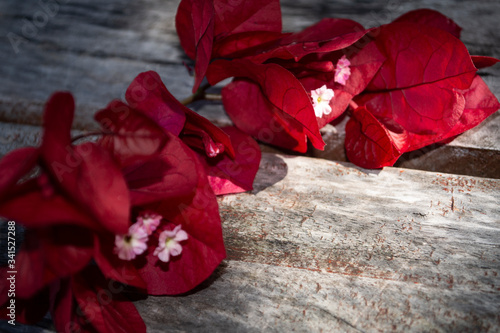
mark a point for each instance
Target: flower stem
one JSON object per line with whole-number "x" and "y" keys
{"x": 200, "y": 94}
{"x": 82, "y": 136}
{"x": 353, "y": 105}
{"x": 213, "y": 97}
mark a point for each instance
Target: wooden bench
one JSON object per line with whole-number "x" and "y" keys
{"x": 318, "y": 245}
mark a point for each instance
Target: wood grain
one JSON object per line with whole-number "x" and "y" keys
{"x": 323, "y": 246}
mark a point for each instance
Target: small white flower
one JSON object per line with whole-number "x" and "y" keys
{"x": 169, "y": 243}
{"x": 132, "y": 244}
{"x": 321, "y": 100}
{"x": 149, "y": 221}
{"x": 342, "y": 70}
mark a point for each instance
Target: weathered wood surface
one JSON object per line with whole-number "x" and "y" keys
{"x": 96, "y": 48}
{"x": 322, "y": 246}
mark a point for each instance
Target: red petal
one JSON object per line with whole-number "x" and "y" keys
{"x": 328, "y": 35}
{"x": 135, "y": 137}
{"x": 241, "y": 100}
{"x": 62, "y": 307}
{"x": 51, "y": 253}
{"x": 280, "y": 87}
{"x": 226, "y": 175}
{"x": 14, "y": 165}
{"x": 57, "y": 121}
{"x": 198, "y": 124}
{"x": 104, "y": 308}
{"x": 44, "y": 211}
{"x": 27, "y": 311}
{"x": 195, "y": 27}
{"x": 85, "y": 172}
{"x": 168, "y": 176}
{"x": 184, "y": 26}
{"x": 244, "y": 44}
{"x": 432, "y": 19}
{"x": 425, "y": 66}
{"x": 483, "y": 61}
{"x": 426, "y": 109}
{"x": 480, "y": 103}
{"x": 232, "y": 17}
{"x": 368, "y": 143}
{"x": 148, "y": 94}
{"x": 418, "y": 55}
{"x": 97, "y": 182}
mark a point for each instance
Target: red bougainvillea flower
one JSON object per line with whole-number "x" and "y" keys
{"x": 271, "y": 97}
{"x": 426, "y": 91}
{"x": 169, "y": 191}
{"x": 216, "y": 27}
{"x": 267, "y": 100}
{"x": 87, "y": 302}
{"x": 83, "y": 302}
{"x": 216, "y": 147}
{"x": 66, "y": 175}
{"x": 73, "y": 190}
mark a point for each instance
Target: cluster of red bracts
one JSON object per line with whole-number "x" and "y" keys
{"x": 137, "y": 207}
{"x": 409, "y": 84}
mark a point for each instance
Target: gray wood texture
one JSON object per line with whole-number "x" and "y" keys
{"x": 318, "y": 246}
{"x": 325, "y": 246}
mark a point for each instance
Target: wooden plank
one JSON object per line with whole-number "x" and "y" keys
{"x": 95, "y": 49}
{"x": 325, "y": 246}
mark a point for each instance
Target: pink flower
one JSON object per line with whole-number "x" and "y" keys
{"x": 134, "y": 243}
{"x": 321, "y": 100}
{"x": 168, "y": 244}
{"x": 342, "y": 70}
{"x": 149, "y": 222}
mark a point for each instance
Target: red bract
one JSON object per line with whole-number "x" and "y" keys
{"x": 326, "y": 36}
{"x": 249, "y": 33}
{"x": 283, "y": 94}
{"x": 174, "y": 185}
{"x": 365, "y": 61}
{"x": 47, "y": 254}
{"x": 287, "y": 69}
{"x": 87, "y": 302}
{"x": 67, "y": 174}
{"x": 148, "y": 94}
{"x": 75, "y": 192}
{"x": 227, "y": 175}
{"x": 425, "y": 92}
{"x": 200, "y": 25}
{"x": 431, "y": 18}
{"x": 241, "y": 100}
{"x": 76, "y": 189}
